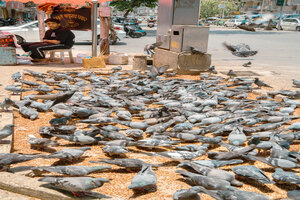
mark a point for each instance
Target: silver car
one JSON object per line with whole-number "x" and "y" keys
{"x": 290, "y": 24}
{"x": 29, "y": 32}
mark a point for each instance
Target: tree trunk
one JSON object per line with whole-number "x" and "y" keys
{"x": 133, "y": 4}
{"x": 126, "y": 13}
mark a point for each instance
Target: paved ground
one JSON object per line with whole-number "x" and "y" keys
{"x": 5, "y": 195}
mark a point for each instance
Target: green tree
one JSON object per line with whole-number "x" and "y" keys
{"x": 129, "y": 5}
{"x": 210, "y": 8}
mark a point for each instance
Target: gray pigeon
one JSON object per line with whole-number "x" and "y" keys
{"x": 6, "y": 131}
{"x": 144, "y": 179}
{"x": 231, "y": 154}
{"x": 150, "y": 47}
{"x": 240, "y": 50}
{"x": 259, "y": 83}
{"x": 115, "y": 151}
{"x": 296, "y": 83}
{"x": 28, "y": 113}
{"x": 128, "y": 163}
{"x": 211, "y": 172}
{"x": 15, "y": 90}
{"x": 237, "y": 136}
{"x": 212, "y": 70}
{"x": 123, "y": 115}
{"x": 281, "y": 176}
{"x": 6, "y": 104}
{"x": 294, "y": 195}
{"x": 75, "y": 185}
{"x": 40, "y": 143}
{"x": 187, "y": 194}
{"x": 231, "y": 73}
{"x": 247, "y": 64}
{"x": 78, "y": 139}
{"x": 16, "y": 76}
{"x": 252, "y": 172}
{"x": 69, "y": 170}
{"x": 196, "y": 51}
{"x": 7, "y": 159}
{"x": 134, "y": 133}
{"x": 240, "y": 195}
{"x": 210, "y": 183}
{"x": 217, "y": 163}
{"x": 68, "y": 154}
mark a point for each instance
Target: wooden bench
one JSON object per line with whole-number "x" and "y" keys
{"x": 62, "y": 54}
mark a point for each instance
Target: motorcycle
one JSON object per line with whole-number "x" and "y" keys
{"x": 133, "y": 30}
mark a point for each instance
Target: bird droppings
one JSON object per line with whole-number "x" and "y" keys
{"x": 168, "y": 182}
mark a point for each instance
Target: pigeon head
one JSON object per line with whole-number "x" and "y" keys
{"x": 254, "y": 140}
{"x": 100, "y": 181}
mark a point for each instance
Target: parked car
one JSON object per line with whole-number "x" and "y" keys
{"x": 29, "y": 32}
{"x": 290, "y": 24}
{"x": 233, "y": 23}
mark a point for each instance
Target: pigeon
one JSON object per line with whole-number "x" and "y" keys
{"x": 259, "y": 83}
{"x": 187, "y": 194}
{"x": 115, "y": 151}
{"x": 6, "y": 104}
{"x": 134, "y": 133}
{"x": 16, "y": 76}
{"x": 76, "y": 185}
{"x": 281, "y": 176}
{"x": 119, "y": 68}
{"x": 196, "y": 51}
{"x": 294, "y": 194}
{"x": 247, "y": 64}
{"x": 180, "y": 155}
{"x": 157, "y": 71}
{"x": 212, "y": 69}
{"x": 128, "y": 163}
{"x": 68, "y": 154}
{"x": 144, "y": 179}
{"x": 209, "y": 183}
{"x": 241, "y": 195}
{"x": 240, "y": 50}
{"x": 246, "y": 28}
{"x": 6, "y": 131}
{"x": 78, "y": 139}
{"x": 275, "y": 162}
{"x": 56, "y": 98}
{"x": 150, "y": 47}
{"x": 231, "y": 154}
{"x": 29, "y": 113}
{"x": 211, "y": 172}
{"x": 69, "y": 170}
{"x": 15, "y": 90}
{"x": 294, "y": 126}
{"x": 7, "y": 159}
{"x": 123, "y": 115}
{"x": 231, "y": 73}
{"x": 217, "y": 163}
{"x": 296, "y": 83}
{"x": 40, "y": 143}
{"x": 252, "y": 172}
{"x": 237, "y": 136}
{"x": 59, "y": 121}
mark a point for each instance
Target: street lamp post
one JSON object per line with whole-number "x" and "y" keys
{"x": 94, "y": 27}
{"x": 223, "y": 12}
{"x": 281, "y": 13}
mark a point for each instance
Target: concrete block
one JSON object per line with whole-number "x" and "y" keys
{"x": 183, "y": 63}
{"x": 139, "y": 62}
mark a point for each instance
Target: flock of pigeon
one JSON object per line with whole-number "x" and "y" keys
{"x": 186, "y": 120}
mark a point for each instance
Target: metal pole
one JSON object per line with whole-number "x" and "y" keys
{"x": 262, "y": 7}
{"x": 94, "y": 27}
{"x": 281, "y": 13}
{"x": 224, "y": 9}
{"x": 41, "y": 24}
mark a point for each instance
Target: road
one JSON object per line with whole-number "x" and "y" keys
{"x": 278, "y": 51}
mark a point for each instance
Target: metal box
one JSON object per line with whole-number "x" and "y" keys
{"x": 184, "y": 37}
{"x": 175, "y": 12}
{"x": 8, "y": 56}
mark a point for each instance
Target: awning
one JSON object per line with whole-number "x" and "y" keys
{"x": 72, "y": 2}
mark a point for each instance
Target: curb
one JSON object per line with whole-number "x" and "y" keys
{"x": 28, "y": 187}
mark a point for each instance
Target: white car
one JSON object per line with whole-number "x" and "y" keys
{"x": 29, "y": 32}
{"x": 290, "y": 24}
{"x": 233, "y": 23}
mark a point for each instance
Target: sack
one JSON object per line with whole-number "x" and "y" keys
{"x": 96, "y": 62}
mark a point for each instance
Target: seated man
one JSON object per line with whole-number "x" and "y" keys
{"x": 56, "y": 37}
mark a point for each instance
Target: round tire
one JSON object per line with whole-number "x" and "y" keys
{"x": 298, "y": 28}
{"x": 135, "y": 35}
{"x": 143, "y": 33}
{"x": 20, "y": 39}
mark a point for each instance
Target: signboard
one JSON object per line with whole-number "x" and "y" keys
{"x": 7, "y": 41}
{"x": 74, "y": 19}
{"x": 221, "y": 6}
{"x": 104, "y": 11}
{"x": 280, "y": 2}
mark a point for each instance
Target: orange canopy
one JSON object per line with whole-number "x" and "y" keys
{"x": 72, "y": 2}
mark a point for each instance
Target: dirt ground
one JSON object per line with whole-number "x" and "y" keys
{"x": 168, "y": 181}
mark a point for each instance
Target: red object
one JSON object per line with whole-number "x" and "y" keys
{"x": 72, "y": 2}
